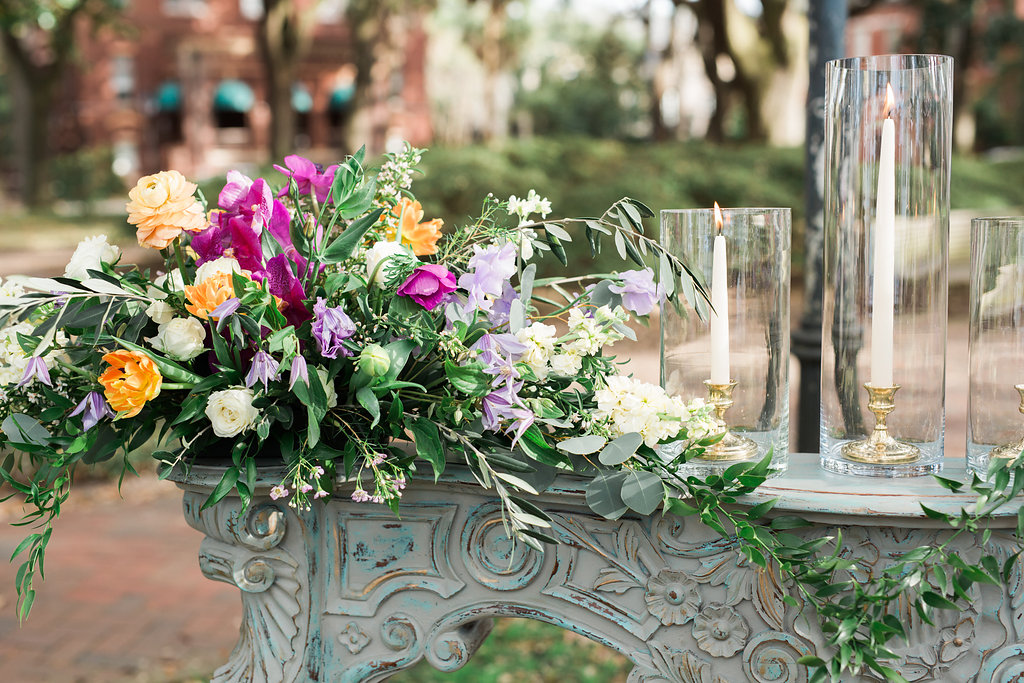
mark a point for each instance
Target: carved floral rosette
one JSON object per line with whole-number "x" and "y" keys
{"x": 349, "y": 592}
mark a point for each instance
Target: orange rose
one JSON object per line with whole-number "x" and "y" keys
{"x": 161, "y": 207}
{"x": 131, "y": 380}
{"x": 208, "y": 294}
{"x": 422, "y": 237}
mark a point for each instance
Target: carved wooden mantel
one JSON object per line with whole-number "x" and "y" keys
{"x": 347, "y": 592}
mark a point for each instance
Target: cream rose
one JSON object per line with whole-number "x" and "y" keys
{"x": 180, "y": 338}
{"x": 225, "y": 264}
{"x": 172, "y": 281}
{"x": 231, "y": 411}
{"x": 160, "y": 312}
{"x": 161, "y": 206}
{"x": 90, "y": 254}
{"x": 375, "y": 256}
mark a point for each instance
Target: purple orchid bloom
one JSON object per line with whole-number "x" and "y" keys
{"x": 300, "y": 372}
{"x": 309, "y": 177}
{"x": 263, "y": 369}
{"x": 36, "y": 370}
{"x": 95, "y": 408}
{"x": 235, "y": 190}
{"x": 639, "y": 293}
{"x": 331, "y": 326}
{"x": 284, "y": 285}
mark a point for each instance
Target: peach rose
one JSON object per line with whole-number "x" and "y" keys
{"x": 131, "y": 380}
{"x": 204, "y": 297}
{"x": 162, "y": 206}
{"x": 422, "y": 237}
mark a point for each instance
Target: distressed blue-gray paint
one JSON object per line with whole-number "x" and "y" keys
{"x": 347, "y": 592}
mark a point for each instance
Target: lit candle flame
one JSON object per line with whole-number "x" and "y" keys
{"x": 718, "y": 218}
{"x": 890, "y": 100}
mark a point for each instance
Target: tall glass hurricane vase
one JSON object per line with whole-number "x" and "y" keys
{"x": 739, "y": 362}
{"x": 888, "y": 144}
{"x": 995, "y": 400}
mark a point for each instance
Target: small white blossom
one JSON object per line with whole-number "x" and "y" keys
{"x": 540, "y": 345}
{"x": 90, "y": 254}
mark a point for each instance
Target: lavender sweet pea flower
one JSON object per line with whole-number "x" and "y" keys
{"x": 225, "y": 309}
{"x": 492, "y": 266}
{"x": 331, "y": 326}
{"x": 428, "y": 285}
{"x": 300, "y": 372}
{"x": 95, "y": 408}
{"x": 308, "y": 176}
{"x": 639, "y": 293}
{"x": 502, "y": 306}
{"x": 263, "y": 369}
{"x": 36, "y": 370}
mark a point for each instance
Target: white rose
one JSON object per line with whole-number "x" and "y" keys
{"x": 378, "y": 253}
{"x": 231, "y": 411}
{"x": 332, "y": 393}
{"x": 225, "y": 264}
{"x": 89, "y": 254}
{"x": 180, "y": 338}
{"x": 173, "y": 282}
{"x": 160, "y": 312}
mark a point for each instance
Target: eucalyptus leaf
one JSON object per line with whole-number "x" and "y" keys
{"x": 621, "y": 449}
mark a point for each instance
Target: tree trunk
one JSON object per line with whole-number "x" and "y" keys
{"x": 284, "y": 33}
{"x": 712, "y": 41}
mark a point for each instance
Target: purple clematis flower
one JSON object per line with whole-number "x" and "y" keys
{"x": 309, "y": 177}
{"x": 639, "y": 293}
{"x": 300, "y": 372}
{"x": 502, "y": 306}
{"x": 504, "y": 404}
{"x": 331, "y": 326}
{"x": 225, "y": 309}
{"x": 36, "y": 370}
{"x": 263, "y": 369}
{"x": 95, "y": 408}
{"x": 428, "y": 285}
{"x": 492, "y": 266}
{"x": 495, "y": 348}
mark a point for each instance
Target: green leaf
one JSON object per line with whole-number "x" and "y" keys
{"x": 951, "y": 484}
{"x": 642, "y": 491}
{"x": 368, "y": 400}
{"x": 469, "y": 379}
{"x": 761, "y": 509}
{"x": 604, "y": 494}
{"x": 168, "y": 368}
{"x": 224, "y": 486}
{"x": 678, "y": 507}
{"x": 428, "y": 443}
{"x": 22, "y": 429}
{"x": 935, "y": 600}
{"x": 343, "y": 246}
{"x": 582, "y": 445}
{"x": 621, "y": 449}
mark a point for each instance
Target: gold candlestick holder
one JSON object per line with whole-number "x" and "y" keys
{"x": 1011, "y": 450}
{"x": 731, "y": 446}
{"x": 881, "y": 448}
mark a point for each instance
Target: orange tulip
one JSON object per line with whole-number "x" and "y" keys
{"x": 131, "y": 380}
{"x": 162, "y": 206}
{"x": 422, "y": 237}
{"x": 208, "y": 294}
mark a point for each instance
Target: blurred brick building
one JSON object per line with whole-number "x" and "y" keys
{"x": 183, "y": 87}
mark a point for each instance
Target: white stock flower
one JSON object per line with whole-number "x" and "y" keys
{"x": 180, "y": 338}
{"x": 231, "y": 411}
{"x": 540, "y": 345}
{"x": 224, "y": 264}
{"x": 332, "y": 393}
{"x": 89, "y": 255}
{"x": 633, "y": 406}
{"x": 13, "y": 358}
{"x": 11, "y": 289}
{"x": 375, "y": 257}
{"x": 592, "y": 333}
{"x": 566, "y": 364}
{"x": 160, "y": 312}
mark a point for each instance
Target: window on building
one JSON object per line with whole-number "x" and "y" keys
{"x": 184, "y": 8}
{"x": 167, "y": 102}
{"x": 122, "y": 78}
{"x": 231, "y": 103}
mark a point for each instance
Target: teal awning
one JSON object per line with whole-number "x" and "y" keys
{"x": 168, "y": 96}
{"x": 302, "y": 101}
{"x": 233, "y": 95}
{"x": 341, "y": 96}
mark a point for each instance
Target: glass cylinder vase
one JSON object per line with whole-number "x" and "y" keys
{"x": 995, "y": 397}
{"x": 888, "y": 146}
{"x": 739, "y": 362}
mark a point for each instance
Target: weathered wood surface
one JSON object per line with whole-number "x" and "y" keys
{"x": 347, "y": 592}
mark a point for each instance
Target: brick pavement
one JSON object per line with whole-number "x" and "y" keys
{"x": 123, "y": 598}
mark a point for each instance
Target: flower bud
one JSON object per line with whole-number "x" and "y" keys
{"x": 374, "y": 360}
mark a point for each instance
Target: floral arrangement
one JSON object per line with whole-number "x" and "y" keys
{"x": 327, "y": 326}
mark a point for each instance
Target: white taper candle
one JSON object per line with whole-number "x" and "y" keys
{"x": 720, "y": 304}
{"x": 882, "y": 295}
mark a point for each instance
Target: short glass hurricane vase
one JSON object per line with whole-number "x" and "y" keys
{"x": 888, "y": 141}
{"x": 751, "y": 389}
{"x": 995, "y": 398}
